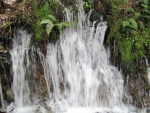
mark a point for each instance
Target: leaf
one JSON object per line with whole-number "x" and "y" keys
{"x": 133, "y": 23}
{"x": 49, "y": 27}
{"x": 145, "y": 1}
{"x": 52, "y": 17}
{"x": 146, "y": 16}
{"x": 130, "y": 9}
{"x": 115, "y": 7}
{"x": 60, "y": 29}
{"x": 137, "y": 2}
{"x": 141, "y": 25}
{"x": 67, "y": 24}
{"x": 144, "y": 5}
{"x": 125, "y": 23}
{"x": 45, "y": 21}
{"x": 59, "y": 26}
{"x": 137, "y": 15}
{"x": 146, "y": 11}
{"x": 89, "y": 1}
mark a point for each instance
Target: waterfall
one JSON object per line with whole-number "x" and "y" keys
{"x": 78, "y": 68}
{"x": 20, "y": 61}
{"x": 77, "y": 71}
{"x": 80, "y": 64}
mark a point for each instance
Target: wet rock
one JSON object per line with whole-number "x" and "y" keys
{"x": 4, "y": 110}
{"x": 8, "y": 109}
{"x": 10, "y": 95}
{"x": 94, "y": 16}
{"x": 2, "y": 50}
{"x": 98, "y": 6}
{"x": 137, "y": 87}
{"x": 98, "y": 14}
{"x": 148, "y": 110}
{"x": 37, "y": 81}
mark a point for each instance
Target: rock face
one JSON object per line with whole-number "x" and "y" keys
{"x": 36, "y": 80}
{"x": 98, "y": 14}
{"x": 138, "y": 88}
{"x": 10, "y": 95}
{"x": 98, "y": 6}
{"x": 10, "y": 13}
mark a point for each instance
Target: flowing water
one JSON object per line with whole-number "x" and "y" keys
{"x": 1, "y": 95}
{"x": 78, "y": 69}
{"x": 80, "y": 63}
{"x": 148, "y": 70}
{"x": 20, "y": 61}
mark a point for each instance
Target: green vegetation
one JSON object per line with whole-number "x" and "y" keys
{"x": 87, "y": 6}
{"x": 39, "y": 14}
{"x": 129, "y": 23}
{"x": 47, "y": 12}
{"x": 128, "y": 20}
{"x": 50, "y": 23}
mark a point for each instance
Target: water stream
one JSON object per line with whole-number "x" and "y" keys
{"x": 1, "y": 94}
{"x": 80, "y": 63}
{"x": 20, "y": 61}
{"x": 78, "y": 69}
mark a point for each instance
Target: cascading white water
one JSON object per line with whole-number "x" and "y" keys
{"x": 148, "y": 72}
{"x": 20, "y": 66}
{"x": 78, "y": 69}
{"x": 1, "y": 95}
{"x": 20, "y": 61}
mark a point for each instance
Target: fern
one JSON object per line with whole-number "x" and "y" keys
{"x": 50, "y": 23}
{"x": 51, "y": 17}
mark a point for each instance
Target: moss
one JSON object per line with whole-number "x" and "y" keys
{"x": 42, "y": 12}
{"x": 129, "y": 27}
{"x": 39, "y": 11}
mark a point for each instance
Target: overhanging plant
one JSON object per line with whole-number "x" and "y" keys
{"x": 50, "y": 22}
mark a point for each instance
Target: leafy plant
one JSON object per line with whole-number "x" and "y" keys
{"x": 87, "y": 5}
{"x": 129, "y": 24}
{"x": 145, "y": 9}
{"x": 50, "y": 22}
{"x": 47, "y": 12}
{"x": 39, "y": 13}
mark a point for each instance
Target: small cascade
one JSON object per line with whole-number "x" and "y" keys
{"x": 78, "y": 75}
{"x": 148, "y": 74}
{"x": 20, "y": 61}
{"x": 78, "y": 69}
{"x": 1, "y": 95}
{"x": 148, "y": 71}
